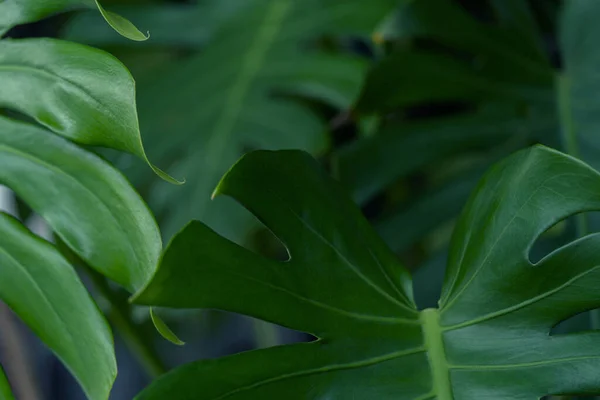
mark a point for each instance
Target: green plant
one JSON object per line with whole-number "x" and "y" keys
{"x": 518, "y": 76}
{"x": 277, "y": 62}
{"x": 488, "y": 339}
{"x": 61, "y": 95}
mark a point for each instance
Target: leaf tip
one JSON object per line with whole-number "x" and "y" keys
{"x": 164, "y": 330}
{"x": 166, "y": 177}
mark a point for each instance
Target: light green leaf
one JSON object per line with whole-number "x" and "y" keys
{"x": 16, "y": 12}
{"x": 489, "y": 339}
{"x": 5, "y": 392}
{"x": 87, "y": 202}
{"x": 224, "y": 101}
{"x": 40, "y": 286}
{"x": 82, "y": 93}
{"x": 122, "y": 25}
{"x": 164, "y": 330}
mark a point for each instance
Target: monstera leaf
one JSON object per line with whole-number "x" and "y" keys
{"x": 489, "y": 338}
{"x": 15, "y": 12}
{"x": 202, "y": 114}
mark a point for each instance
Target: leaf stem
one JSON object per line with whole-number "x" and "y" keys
{"x": 120, "y": 317}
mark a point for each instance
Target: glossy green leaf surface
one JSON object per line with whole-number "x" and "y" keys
{"x": 84, "y": 94}
{"x": 489, "y": 339}
{"x": 5, "y": 391}
{"x": 42, "y": 288}
{"x": 16, "y": 12}
{"x": 225, "y": 100}
{"x": 87, "y": 202}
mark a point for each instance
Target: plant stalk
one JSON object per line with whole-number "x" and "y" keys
{"x": 120, "y": 317}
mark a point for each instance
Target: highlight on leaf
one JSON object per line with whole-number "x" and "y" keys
{"x": 87, "y": 95}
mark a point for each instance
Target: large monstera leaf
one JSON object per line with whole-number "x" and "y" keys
{"x": 205, "y": 112}
{"x": 489, "y": 339}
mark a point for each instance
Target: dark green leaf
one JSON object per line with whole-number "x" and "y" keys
{"x": 488, "y": 340}
{"x": 88, "y": 203}
{"x": 369, "y": 165}
{"x": 5, "y": 392}
{"x": 40, "y": 286}
{"x": 223, "y": 101}
{"x": 16, "y": 12}
{"x": 519, "y": 16}
{"x": 84, "y": 94}
{"x": 405, "y": 227}
{"x": 485, "y": 61}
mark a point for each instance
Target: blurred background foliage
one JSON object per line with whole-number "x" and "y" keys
{"x": 406, "y": 102}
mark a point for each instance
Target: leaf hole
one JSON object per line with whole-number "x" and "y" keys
{"x": 584, "y": 321}
{"x": 563, "y": 233}
{"x": 245, "y": 229}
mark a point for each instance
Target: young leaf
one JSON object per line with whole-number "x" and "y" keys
{"x": 258, "y": 53}
{"x": 5, "y": 392}
{"x": 164, "y": 329}
{"x": 171, "y": 24}
{"x": 40, "y": 286}
{"x": 87, "y": 202}
{"x": 122, "y": 25}
{"x": 84, "y": 94}
{"x": 488, "y": 340}
{"x": 16, "y": 12}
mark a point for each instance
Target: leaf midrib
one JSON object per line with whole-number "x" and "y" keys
{"x": 250, "y": 69}
{"x": 436, "y": 354}
{"x": 327, "y": 368}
